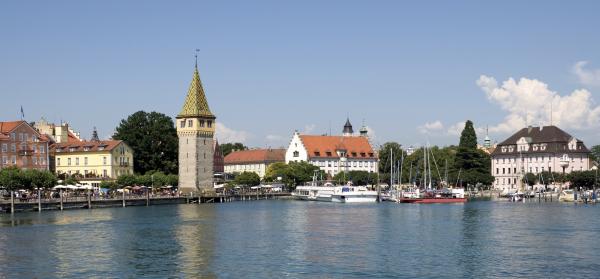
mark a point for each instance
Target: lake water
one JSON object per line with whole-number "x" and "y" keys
{"x": 295, "y": 239}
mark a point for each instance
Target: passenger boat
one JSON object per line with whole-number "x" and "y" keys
{"x": 353, "y": 194}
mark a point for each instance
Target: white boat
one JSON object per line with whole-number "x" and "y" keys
{"x": 567, "y": 195}
{"x": 313, "y": 193}
{"x": 353, "y": 194}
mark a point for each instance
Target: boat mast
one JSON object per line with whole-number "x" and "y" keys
{"x": 391, "y": 168}
{"x": 446, "y": 173}
{"x": 424, "y": 167}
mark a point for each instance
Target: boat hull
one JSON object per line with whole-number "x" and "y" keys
{"x": 353, "y": 199}
{"x": 434, "y": 200}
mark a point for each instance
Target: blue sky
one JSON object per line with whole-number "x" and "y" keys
{"x": 413, "y": 71}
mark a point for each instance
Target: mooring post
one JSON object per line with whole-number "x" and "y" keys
{"x": 12, "y": 202}
{"x": 39, "y": 200}
{"x": 147, "y": 197}
{"x": 123, "y": 197}
{"x": 89, "y": 199}
{"x": 61, "y": 200}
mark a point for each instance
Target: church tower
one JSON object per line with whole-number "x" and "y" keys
{"x": 196, "y": 130}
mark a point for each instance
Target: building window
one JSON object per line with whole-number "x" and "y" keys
{"x": 85, "y": 161}
{"x": 104, "y": 173}
{"x": 35, "y": 160}
{"x": 209, "y": 123}
{"x": 104, "y": 161}
{"x": 58, "y": 161}
{"x": 68, "y": 161}
{"x": 201, "y": 123}
{"x": 190, "y": 123}
{"x": 14, "y": 160}
{"x": 13, "y": 136}
{"x": 296, "y": 154}
{"x": 77, "y": 161}
{"x": 4, "y": 147}
{"x": 20, "y": 136}
{"x": 182, "y": 124}
{"x": 13, "y": 148}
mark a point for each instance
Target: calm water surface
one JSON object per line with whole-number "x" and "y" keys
{"x": 277, "y": 239}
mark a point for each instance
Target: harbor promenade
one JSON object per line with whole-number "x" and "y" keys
{"x": 8, "y": 205}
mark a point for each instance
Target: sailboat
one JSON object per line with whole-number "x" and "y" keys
{"x": 445, "y": 195}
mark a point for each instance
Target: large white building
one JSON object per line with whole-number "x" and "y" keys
{"x": 535, "y": 150}
{"x": 253, "y": 160}
{"x": 334, "y": 154}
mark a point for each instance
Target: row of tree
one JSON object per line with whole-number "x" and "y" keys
{"x": 150, "y": 179}
{"x": 583, "y": 179}
{"x": 13, "y": 178}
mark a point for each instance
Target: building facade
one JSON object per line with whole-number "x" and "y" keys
{"x": 254, "y": 160}
{"x": 92, "y": 162}
{"x": 196, "y": 130}
{"x": 22, "y": 146}
{"x": 334, "y": 154}
{"x": 535, "y": 150}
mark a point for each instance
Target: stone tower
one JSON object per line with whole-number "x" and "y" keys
{"x": 196, "y": 130}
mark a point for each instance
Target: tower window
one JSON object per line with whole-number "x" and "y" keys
{"x": 182, "y": 124}
{"x": 209, "y": 123}
{"x": 190, "y": 123}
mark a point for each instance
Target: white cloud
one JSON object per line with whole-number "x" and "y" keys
{"x": 226, "y": 135}
{"x": 431, "y": 127}
{"x": 585, "y": 76}
{"x": 456, "y": 129}
{"x": 529, "y": 101}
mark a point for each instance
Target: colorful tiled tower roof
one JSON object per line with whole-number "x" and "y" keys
{"x": 195, "y": 103}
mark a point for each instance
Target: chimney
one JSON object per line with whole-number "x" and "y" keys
{"x": 529, "y": 128}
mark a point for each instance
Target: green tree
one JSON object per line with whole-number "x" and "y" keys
{"x": 595, "y": 155}
{"x": 247, "y": 179}
{"x": 109, "y": 185}
{"x": 127, "y": 180}
{"x": 172, "y": 180}
{"x": 357, "y": 177}
{"x": 11, "y": 178}
{"x": 153, "y": 138}
{"x": 473, "y": 163}
{"x": 530, "y": 179}
{"x": 230, "y": 147}
{"x": 468, "y": 137}
{"x": 385, "y": 152}
{"x": 302, "y": 172}
{"x": 583, "y": 179}
{"x": 276, "y": 170}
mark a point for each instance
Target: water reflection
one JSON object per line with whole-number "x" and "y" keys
{"x": 195, "y": 239}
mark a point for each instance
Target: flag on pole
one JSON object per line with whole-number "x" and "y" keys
{"x": 22, "y": 113}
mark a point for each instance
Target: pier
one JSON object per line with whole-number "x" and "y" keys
{"x": 89, "y": 202}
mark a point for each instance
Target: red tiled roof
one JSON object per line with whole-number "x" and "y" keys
{"x": 71, "y": 138}
{"x": 255, "y": 156}
{"x": 326, "y": 146}
{"x": 6, "y": 127}
{"x": 80, "y": 145}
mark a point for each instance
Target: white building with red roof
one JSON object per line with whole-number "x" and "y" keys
{"x": 334, "y": 154}
{"x": 253, "y": 160}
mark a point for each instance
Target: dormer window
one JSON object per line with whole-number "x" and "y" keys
{"x": 317, "y": 153}
{"x": 371, "y": 155}
{"x": 362, "y": 154}
{"x": 503, "y": 149}
{"x": 353, "y": 154}
{"x": 72, "y": 149}
{"x": 328, "y": 153}
{"x": 510, "y": 149}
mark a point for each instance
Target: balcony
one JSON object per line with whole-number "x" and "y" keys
{"x": 124, "y": 164}
{"x": 26, "y": 152}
